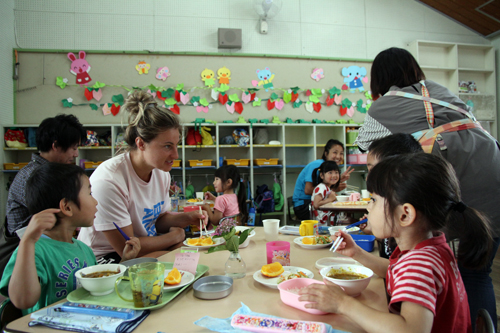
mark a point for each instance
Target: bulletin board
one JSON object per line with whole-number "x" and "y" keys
{"x": 45, "y": 86}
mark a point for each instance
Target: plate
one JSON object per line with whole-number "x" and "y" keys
{"x": 217, "y": 241}
{"x": 289, "y": 230}
{"x": 187, "y": 278}
{"x": 298, "y": 241}
{"x": 81, "y": 295}
{"x": 273, "y": 282}
{"x": 239, "y": 228}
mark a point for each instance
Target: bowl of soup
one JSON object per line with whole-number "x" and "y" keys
{"x": 353, "y": 279}
{"x": 99, "y": 280}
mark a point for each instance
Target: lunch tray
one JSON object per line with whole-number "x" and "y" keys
{"x": 81, "y": 295}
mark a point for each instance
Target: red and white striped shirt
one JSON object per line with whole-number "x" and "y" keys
{"x": 428, "y": 275}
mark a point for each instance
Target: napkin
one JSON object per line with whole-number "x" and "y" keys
{"x": 224, "y": 325}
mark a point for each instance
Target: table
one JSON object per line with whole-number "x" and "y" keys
{"x": 179, "y": 314}
{"x": 333, "y": 207}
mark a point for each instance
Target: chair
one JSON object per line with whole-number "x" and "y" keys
{"x": 8, "y": 313}
{"x": 484, "y": 324}
{"x": 291, "y": 218}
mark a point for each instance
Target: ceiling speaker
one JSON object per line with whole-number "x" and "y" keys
{"x": 229, "y": 38}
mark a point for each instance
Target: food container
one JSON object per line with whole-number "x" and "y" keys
{"x": 350, "y": 287}
{"x": 263, "y": 161}
{"x": 336, "y": 228}
{"x": 198, "y": 163}
{"x": 14, "y": 166}
{"x": 102, "y": 285}
{"x": 366, "y": 242}
{"x": 91, "y": 165}
{"x": 242, "y": 162}
{"x": 213, "y": 287}
{"x": 292, "y": 299}
{"x": 356, "y": 158}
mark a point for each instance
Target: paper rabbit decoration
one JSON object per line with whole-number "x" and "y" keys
{"x": 80, "y": 67}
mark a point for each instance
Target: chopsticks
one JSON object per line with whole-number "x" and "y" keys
{"x": 352, "y": 187}
{"x": 201, "y": 225}
{"x": 339, "y": 240}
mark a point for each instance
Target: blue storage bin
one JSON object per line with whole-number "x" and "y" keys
{"x": 366, "y": 242}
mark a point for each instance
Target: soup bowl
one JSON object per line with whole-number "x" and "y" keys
{"x": 350, "y": 287}
{"x": 100, "y": 286}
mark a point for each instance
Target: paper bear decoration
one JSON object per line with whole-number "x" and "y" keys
{"x": 80, "y": 67}
{"x": 354, "y": 76}
{"x": 266, "y": 78}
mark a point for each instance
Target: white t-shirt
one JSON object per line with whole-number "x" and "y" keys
{"x": 125, "y": 199}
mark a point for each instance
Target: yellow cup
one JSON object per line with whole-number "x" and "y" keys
{"x": 146, "y": 282}
{"x": 308, "y": 227}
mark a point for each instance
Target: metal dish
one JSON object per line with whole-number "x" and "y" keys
{"x": 213, "y": 287}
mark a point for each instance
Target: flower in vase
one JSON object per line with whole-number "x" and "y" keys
{"x": 226, "y": 229}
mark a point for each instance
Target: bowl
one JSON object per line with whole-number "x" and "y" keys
{"x": 336, "y": 228}
{"x": 350, "y": 287}
{"x": 136, "y": 261}
{"x": 342, "y": 198}
{"x": 100, "y": 286}
{"x": 291, "y": 298}
{"x": 213, "y": 287}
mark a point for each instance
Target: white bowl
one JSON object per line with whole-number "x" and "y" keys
{"x": 342, "y": 198}
{"x": 336, "y": 228}
{"x": 351, "y": 287}
{"x": 103, "y": 285}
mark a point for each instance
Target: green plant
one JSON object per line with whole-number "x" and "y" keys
{"x": 227, "y": 231}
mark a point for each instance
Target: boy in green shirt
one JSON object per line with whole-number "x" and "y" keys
{"x": 42, "y": 269}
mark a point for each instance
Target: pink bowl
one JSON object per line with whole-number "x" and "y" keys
{"x": 291, "y": 299}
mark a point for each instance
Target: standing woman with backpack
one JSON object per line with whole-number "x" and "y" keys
{"x": 227, "y": 180}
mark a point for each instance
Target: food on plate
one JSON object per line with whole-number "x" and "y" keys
{"x": 342, "y": 274}
{"x": 207, "y": 241}
{"x": 100, "y": 274}
{"x": 289, "y": 276}
{"x": 195, "y": 200}
{"x": 201, "y": 241}
{"x": 173, "y": 277}
{"x": 272, "y": 270}
{"x": 351, "y": 203}
{"x": 316, "y": 240}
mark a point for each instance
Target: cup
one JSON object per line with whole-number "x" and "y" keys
{"x": 308, "y": 227}
{"x": 174, "y": 204}
{"x": 200, "y": 195}
{"x": 355, "y": 196}
{"x": 278, "y": 251}
{"x": 271, "y": 229}
{"x": 365, "y": 194}
{"x": 146, "y": 282}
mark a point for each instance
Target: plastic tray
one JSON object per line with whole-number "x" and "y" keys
{"x": 81, "y": 295}
{"x": 197, "y": 163}
{"x": 177, "y": 164}
{"x": 263, "y": 161}
{"x": 92, "y": 165}
{"x": 242, "y": 162}
{"x": 289, "y": 230}
{"x": 14, "y": 166}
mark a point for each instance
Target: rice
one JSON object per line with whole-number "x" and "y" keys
{"x": 295, "y": 290}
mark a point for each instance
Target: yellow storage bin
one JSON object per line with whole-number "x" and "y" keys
{"x": 14, "y": 166}
{"x": 177, "y": 164}
{"x": 202, "y": 163}
{"x": 242, "y": 162}
{"x": 263, "y": 161}
{"x": 92, "y": 165}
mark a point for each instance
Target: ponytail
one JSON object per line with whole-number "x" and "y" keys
{"x": 227, "y": 172}
{"x": 316, "y": 180}
{"x": 242, "y": 201}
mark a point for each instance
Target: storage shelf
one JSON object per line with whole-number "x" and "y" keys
{"x": 93, "y": 147}
{"x": 299, "y": 145}
{"x": 26, "y": 148}
{"x": 477, "y": 70}
{"x": 200, "y": 146}
{"x": 437, "y": 68}
{"x": 267, "y": 146}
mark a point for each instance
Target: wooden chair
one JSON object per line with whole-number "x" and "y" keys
{"x": 484, "y": 324}
{"x": 8, "y": 313}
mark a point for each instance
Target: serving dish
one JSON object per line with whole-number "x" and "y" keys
{"x": 217, "y": 241}
{"x": 186, "y": 279}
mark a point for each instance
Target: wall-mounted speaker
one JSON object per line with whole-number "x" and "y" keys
{"x": 229, "y": 38}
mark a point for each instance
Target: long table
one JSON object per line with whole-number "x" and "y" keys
{"x": 179, "y": 314}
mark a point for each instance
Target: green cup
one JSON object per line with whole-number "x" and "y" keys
{"x": 146, "y": 282}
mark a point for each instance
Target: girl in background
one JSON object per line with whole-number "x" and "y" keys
{"x": 414, "y": 197}
{"x": 324, "y": 191}
{"x": 228, "y": 181}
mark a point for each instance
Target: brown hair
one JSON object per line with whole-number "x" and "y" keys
{"x": 394, "y": 67}
{"x": 146, "y": 120}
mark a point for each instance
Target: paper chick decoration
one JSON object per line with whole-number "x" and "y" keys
{"x": 208, "y": 76}
{"x": 224, "y": 75}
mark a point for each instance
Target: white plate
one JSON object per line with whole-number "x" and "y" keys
{"x": 272, "y": 282}
{"x": 298, "y": 241}
{"x": 187, "y": 278}
{"x": 217, "y": 241}
{"x": 239, "y": 228}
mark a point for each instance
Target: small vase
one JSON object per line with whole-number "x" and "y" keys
{"x": 235, "y": 266}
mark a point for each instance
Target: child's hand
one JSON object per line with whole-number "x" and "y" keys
{"x": 332, "y": 196}
{"x": 131, "y": 249}
{"x": 45, "y": 220}
{"x": 209, "y": 196}
{"x": 348, "y": 247}
{"x": 341, "y": 187}
{"x": 327, "y": 297}
{"x": 346, "y": 175}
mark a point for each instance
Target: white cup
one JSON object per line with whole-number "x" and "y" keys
{"x": 199, "y": 195}
{"x": 271, "y": 229}
{"x": 365, "y": 194}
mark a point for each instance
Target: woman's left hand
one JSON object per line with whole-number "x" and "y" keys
{"x": 326, "y": 297}
{"x": 346, "y": 174}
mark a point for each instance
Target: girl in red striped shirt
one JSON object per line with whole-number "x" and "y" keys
{"x": 415, "y": 198}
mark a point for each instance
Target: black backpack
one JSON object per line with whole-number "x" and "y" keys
{"x": 264, "y": 199}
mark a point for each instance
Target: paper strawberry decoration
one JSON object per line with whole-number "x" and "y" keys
{"x": 317, "y": 107}
{"x": 294, "y": 97}
{"x": 230, "y": 108}
{"x": 88, "y": 94}
{"x": 309, "y": 107}
{"x": 238, "y": 107}
{"x": 223, "y": 98}
{"x": 337, "y": 99}
{"x": 270, "y": 105}
{"x": 106, "y": 109}
{"x": 175, "y": 109}
{"x": 202, "y": 109}
{"x": 329, "y": 101}
{"x": 97, "y": 94}
{"x": 350, "y": 111}
{"x": 344, "y": 87}
{"x": 343, "y": 110}
{"x": 177, "y": 96}
{"x": 308, "y": 92}
{"x": 279, "y": 104}
{"x": 158, "y": 94}
{"x": 184, "y": 98}
{"x": 115, "y": 109}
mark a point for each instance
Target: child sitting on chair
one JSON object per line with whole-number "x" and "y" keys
{"x": 42, "y": 269}
{"x": 323, "y": 193}
{"x": 227, "y": 180}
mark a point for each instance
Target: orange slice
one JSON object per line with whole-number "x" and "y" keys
{"x": 309, "y": 240}
{"x": 194, "y": 241}
{"x": 272, "y": 270}
{"x": 207, "y": 241}
{"x": 174, "y": 277}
